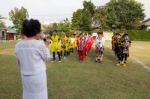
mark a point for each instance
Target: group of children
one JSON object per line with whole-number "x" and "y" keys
{"x": 120, "y": 46}
{"x": 62, "y": 46}
{"x": 84, "y": 44}
{"x": 65, "y": 45}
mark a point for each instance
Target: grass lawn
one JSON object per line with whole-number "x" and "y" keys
{"x": 73, "y": 80}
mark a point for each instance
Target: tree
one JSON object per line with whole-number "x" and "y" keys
{"x": 100, "y": 18}
{"x": 111, "y": 14}
{"x": 82, "y": 18}
{"x": 88, "y": 6}
{"x": 54, "y": 26}
{"x": 87, "y": 15}
{"x": 2, "y": 24}
{"x": 86, "y": 22}
{"x": 126, "y": 14}
{"x": 64, "y": 26}
{"x": 17, "y": 16}
{"x": 47, "y": 28}
{"x": 76, "y": 19}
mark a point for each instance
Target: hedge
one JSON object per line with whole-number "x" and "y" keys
{"x": 139, "y": 35}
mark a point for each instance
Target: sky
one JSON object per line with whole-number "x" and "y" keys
{"x": 52, "y": 10}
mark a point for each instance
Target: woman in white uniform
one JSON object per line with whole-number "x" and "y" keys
{"x": 31, "y": 55}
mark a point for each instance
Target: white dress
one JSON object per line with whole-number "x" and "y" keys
{"x": 31, "y": 56}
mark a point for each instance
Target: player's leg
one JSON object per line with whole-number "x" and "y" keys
{"x": 58, "y": 53}
{"x": 54, "y": 58}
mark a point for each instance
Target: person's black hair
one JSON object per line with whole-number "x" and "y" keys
{"x": 126, "y": 34}
{"x": 55, "y": 31}
{"x": 31, "y": 27}
{"x": 44, "y": 39}
{"x": 118, "y": 34}
{"x": 100, "y": 33}
{"x": 89, "y": 33}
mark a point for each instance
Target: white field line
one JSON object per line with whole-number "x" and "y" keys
{"x": 141, "y": 63}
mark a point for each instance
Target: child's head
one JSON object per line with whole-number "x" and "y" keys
{"x": 54, "y": 32}
{"x": 83, "y": 33}
{"x": 118, "y": 35}
{"x": 89, "y": 33}
{"x": 126, "y": 36}
{"x": 115, "y": 34}
{"x": 100, "y": 34}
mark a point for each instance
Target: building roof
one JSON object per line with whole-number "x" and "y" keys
{"x": 146, "y": 22}
{"x": 10, "y": 30}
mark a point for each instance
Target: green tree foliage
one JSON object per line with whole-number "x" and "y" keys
{"x": 76, "y": 19}
{"x": 86, "y": 21}
{"x": 100, "y": 18}
{"x": 54, "y": 26}
{"x": 17, "y": 16}
{"x": 2, "y": 24}
{"x": 123, "y": 14}
{"x": 82, "y": 18}
{"x": 64, "y": 26}
{"x": 126, "y": 14}
{"x": 47, "y": 27}
{"x": 88, "y": 6}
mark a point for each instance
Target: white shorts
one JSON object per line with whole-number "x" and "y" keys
{"x": 35, "y": 86}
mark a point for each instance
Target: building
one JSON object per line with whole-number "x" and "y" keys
{"x": 8, "y": 34}
{"x": 146, "y": 23}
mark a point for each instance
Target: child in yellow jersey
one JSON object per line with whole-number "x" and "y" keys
{"x": 63, "y": 46}
{"x": 55, "y": 46}
{"x": 68, "y": 41}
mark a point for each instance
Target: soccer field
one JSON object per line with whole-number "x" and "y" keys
{"x": 89, "y": 80}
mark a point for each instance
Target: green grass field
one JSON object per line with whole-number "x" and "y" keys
{"x": 73, "y": 80}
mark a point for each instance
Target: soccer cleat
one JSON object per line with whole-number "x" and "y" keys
{"x": 122, "y": 62}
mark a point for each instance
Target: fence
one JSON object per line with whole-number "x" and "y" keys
{"x": 4, "y": 44}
